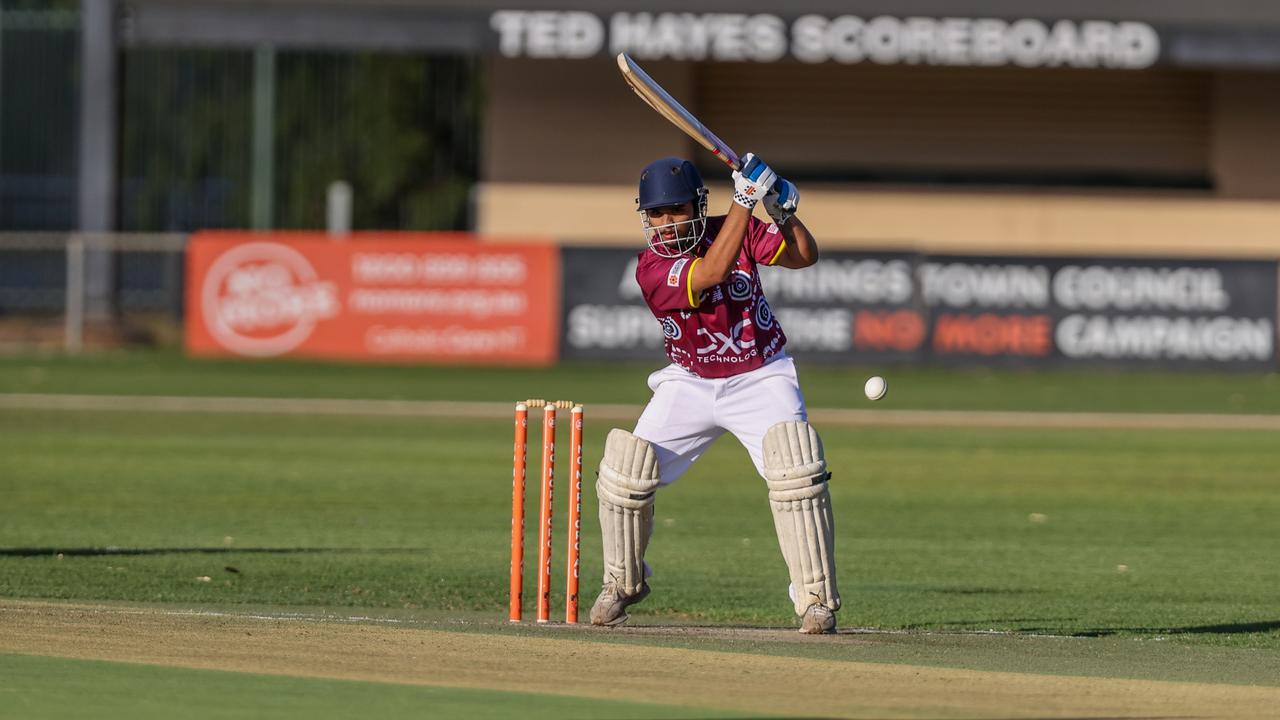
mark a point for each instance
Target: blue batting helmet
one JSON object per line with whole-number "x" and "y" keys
{"x": 669, "y": 181}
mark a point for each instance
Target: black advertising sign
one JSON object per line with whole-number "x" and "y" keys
{"x": 1116, "y": 311}
{"x": 1178, "y": 312}
{"x": 604, "y": 315}
{"x": 898, "y": 307}
{"x": 850, "y": 306}
{"x": 988, "y": 309}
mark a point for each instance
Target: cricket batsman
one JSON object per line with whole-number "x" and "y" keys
{"x": 729, "y": 372}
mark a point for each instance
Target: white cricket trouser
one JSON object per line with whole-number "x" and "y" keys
{"x": 687, "y": 413}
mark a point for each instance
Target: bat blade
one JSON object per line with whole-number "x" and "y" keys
{"x": 661, "y": 101}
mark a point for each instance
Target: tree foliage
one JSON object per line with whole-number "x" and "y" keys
{"x": 400, "y": 128}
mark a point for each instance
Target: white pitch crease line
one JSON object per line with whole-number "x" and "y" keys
{"x": 293, "y": 616}
{"x": 622, "y": 412}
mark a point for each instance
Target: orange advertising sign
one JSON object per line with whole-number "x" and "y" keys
{"x": 384, "y": 296}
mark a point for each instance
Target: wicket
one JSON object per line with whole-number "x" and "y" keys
{"x": 546, "y": 509}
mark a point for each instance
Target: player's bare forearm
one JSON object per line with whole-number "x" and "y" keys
{"x": 801, "y": 250}
{"x": 713, "y": 268}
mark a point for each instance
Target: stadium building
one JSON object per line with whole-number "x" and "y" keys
{"x": 977, "y": 126}
{"x": 1030, "y": 181}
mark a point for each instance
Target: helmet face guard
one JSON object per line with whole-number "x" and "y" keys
{"x": 688, "y": 233}
{"x": 672, "y": 181}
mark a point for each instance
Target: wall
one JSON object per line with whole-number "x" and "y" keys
{"x": 958, "y": 222}
{"x": 558, "y": 121}
{"x": 1245, "y": 141}
{"x": 564, "y": 141}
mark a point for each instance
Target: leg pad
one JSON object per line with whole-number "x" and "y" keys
{"x": 796, "y": 473}
{"x": 627, "y": 481}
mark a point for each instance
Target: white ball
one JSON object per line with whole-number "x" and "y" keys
{"x": 875, "y": 387}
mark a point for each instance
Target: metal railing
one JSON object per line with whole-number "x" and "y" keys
{"x": 90, "y": 276}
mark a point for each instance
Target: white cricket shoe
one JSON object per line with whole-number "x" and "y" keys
{"x": 818, "y": 620}
{"x": 610, "y": 608}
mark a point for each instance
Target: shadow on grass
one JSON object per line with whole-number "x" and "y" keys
{"x": 102, "y": 551}
{"x": 1221, "y": 629}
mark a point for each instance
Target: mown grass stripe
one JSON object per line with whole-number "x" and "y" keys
{"x": 37, "y": 687}
{"x": 527, "y": 663}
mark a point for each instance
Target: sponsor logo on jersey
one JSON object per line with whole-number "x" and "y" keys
{"x": 772, "y": 229}
{"x": 719, "y": 344}
{"x": 673, "y": 277}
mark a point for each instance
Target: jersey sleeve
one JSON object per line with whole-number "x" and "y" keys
{"x": 665, "y": 283}
{"x": 764, "y": 242}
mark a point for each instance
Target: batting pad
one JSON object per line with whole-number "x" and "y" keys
{"x": 625, "y": 486}
{"x": 796, "y": 473}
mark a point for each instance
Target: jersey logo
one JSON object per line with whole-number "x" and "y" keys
{"x": 671, "y": 329}
{"x": 673, "y": 277}
{"x": 772, "y": 229}
{"x": 740, "y": 285}
{"x": 764, "y": 315}
{"x": 719, "y": 343}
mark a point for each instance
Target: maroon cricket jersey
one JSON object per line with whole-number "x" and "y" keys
{"x": 727, "y": 329}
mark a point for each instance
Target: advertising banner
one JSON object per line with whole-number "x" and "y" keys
{"x": 871, "y": 307}
{"x": 1166, "y": 312}
{"x": 389, "y": 296}
{"x": 605, "y": 317}
{"x": 851, "y": 306}
{"x": 994, "y": 310}
{"x": 1116, "y": 311}
{"x": 848, "y": 307}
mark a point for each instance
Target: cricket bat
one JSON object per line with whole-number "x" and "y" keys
{"x": 666, "y": 106}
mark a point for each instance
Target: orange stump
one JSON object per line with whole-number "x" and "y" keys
{"x": 519, "y": 482}
{"x": 517, "y": 513}
{"x": 575, "y": 517}
{"x": 544, "y": 516}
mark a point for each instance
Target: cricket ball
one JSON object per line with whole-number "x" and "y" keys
{"x": 875, "y": 388}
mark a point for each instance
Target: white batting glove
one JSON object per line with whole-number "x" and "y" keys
{"x": 752, "y": 182}
{"x": 781, "y": 201}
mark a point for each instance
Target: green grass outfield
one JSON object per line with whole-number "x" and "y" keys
{"x": 824, "y": 385}
{"x": 1163, "y": 538}
{"x": 936, "y": 527}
